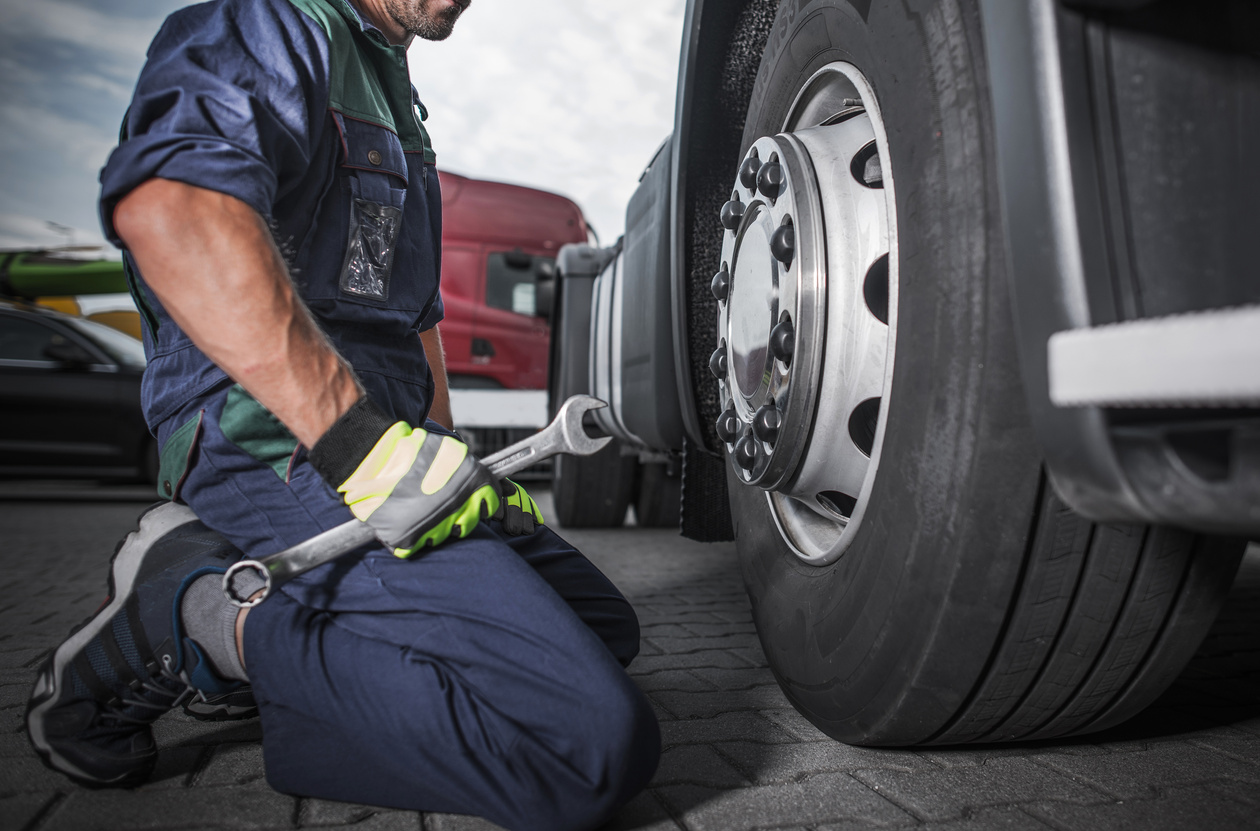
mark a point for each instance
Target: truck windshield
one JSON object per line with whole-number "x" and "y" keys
{"x": 512, "y": 280}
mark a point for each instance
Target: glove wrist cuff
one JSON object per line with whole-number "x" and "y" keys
{"x": 343, "y": 447}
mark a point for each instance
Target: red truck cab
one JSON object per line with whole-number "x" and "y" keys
{"x": 499, "y": 244}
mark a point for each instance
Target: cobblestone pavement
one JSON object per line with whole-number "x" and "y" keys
{"x": 736, "y": 755}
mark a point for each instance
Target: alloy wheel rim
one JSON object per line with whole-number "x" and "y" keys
{"x": 806, "y": 297}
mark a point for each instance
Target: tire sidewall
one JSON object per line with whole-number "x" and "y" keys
{"x": 881, "y": 646}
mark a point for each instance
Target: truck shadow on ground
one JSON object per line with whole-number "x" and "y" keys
{"x": 732, "y": 742}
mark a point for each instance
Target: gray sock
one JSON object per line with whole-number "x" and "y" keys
{"x": 210, "y": 620}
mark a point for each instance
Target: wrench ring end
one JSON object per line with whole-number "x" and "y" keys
{"x": 258, "y": 596}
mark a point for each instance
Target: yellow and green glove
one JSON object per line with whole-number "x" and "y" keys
{"x": 415, "y": 488}
{"x": 517, "y": 512}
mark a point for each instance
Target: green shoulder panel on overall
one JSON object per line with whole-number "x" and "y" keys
{"x": 368, "y": 79}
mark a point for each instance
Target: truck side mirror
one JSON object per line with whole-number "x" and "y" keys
{"x": 544, "y": 289}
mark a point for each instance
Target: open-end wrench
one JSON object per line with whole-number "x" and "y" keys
{"x": 563, "y": 435}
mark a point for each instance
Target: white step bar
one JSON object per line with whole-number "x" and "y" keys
{"x": 1204, "y": 359}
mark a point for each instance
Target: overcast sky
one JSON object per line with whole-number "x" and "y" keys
{"x": 568, "y": 95}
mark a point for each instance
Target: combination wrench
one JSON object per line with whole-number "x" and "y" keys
{"x": 564, "y": 434}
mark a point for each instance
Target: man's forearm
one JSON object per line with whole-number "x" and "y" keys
{"x": 211, "y": 261}
{"x": 440, "y": 409}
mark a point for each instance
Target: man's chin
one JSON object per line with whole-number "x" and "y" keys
{"x": 441, "y": 28}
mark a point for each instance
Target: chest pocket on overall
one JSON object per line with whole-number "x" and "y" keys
{"x": 376, "y": 171}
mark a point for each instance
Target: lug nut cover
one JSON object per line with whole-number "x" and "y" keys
{"x": 728, "y": 426}
{"x": 766, "y": 423}
{"x": 717, "y": 363}
{"x": 732, "y": 213}
{"x": 783, "y": 244}
{"x": 783, "y": 340}
{"x": 721, "y": 285}
{"x": 748, "y": 171}
{"x": 770, "y": 180}
{"x": 746, "y": 452}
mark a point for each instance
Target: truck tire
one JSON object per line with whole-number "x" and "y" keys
{"x": 914, "y": 579}
{"x": 660, "y": 493}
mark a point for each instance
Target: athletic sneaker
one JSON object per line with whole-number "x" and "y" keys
{"x": 94, "y": 699}
{"x": 233, "y": 705}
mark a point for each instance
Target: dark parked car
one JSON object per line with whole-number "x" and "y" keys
{"x": 70, "y": 398}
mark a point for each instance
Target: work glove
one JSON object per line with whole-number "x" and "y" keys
{"x": 517, "y": 512}
{"x": 416, "y": 489}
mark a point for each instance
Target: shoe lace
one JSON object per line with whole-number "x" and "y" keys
{"x": 173, "y": 698}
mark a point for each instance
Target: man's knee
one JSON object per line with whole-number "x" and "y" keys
{"x": 623, "y": 752}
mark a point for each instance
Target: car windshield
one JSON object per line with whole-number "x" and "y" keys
{"x": 121, "y": 347}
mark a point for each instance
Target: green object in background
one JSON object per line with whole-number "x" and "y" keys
{"x": 35, "y": 274}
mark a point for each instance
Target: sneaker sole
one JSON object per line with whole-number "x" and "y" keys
{"x": 154, "y": 524}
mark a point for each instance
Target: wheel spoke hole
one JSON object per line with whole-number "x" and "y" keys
{"x": 862, "y": 423}
{"x": 875, "y": 289}
{"x": 838, "y": 504}
{"x": 866, "y": 166}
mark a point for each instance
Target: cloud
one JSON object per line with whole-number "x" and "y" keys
{"x": 570, "y": 96}
{"x": 123, "y": 37}
{"x": 74, "y": 142}
{"x": 19, "y": 231}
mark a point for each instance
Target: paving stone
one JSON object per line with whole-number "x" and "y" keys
{"x": 24, "y": 676}
{"x": 696, "y": 765}
{"x": 795, "y": 724}
{"x": 26, "y": 658}
{"x": 657, "y": 631}
{"x": 1141, "y": 774}
{"x": 14, "y": 744}
{"x": 673, "y": 680}
{"x": 679, "y": 646}
{"x": 720, "y": 658}
{"x": 643, "y": 813}
{"x": 753, "y": 654}
{"x": 950, "y": 794}
{"x": 737, "y": 757}
{"x": 965, "y": 757}
{"x": 13, "y": 720}
{"x": 736, "y": 679}
{"x": 20, "y": 811}
{"x": 111, "y": 810}
{"x": 994, "y": 819}
{"x": 717, "y": 630}
{"x": 816, "y": 800}
{"x": 177, "y": 728}
{"x": 746, "y": 726}
{"x": 1247, "y": 790}
{"x": 1174, "y": 810}
{"x": 325, "y": 814}
{"x": 1239, "y": 744}
{"x": 384, "y": 821}
{"x": 767, "y": 764}
{"x": 705, "y": 705}
{"x": 27, "y": 774}
{"x": 175, "y": 765}
{"x": 458, "y": 822}
{"x": 232, "y": 764}
{"x": 679, "y": 616}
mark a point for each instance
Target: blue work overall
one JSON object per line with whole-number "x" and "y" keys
{"x": 485, "y": 676}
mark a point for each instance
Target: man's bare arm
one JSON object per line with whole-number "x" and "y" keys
{"x": 212, "y": 262}
{"x": 441, "y": 409}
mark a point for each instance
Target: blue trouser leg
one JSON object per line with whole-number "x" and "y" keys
{"x": 480, "y": 677}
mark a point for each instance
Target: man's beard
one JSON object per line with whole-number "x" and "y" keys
{"x": 416, "y": 19}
